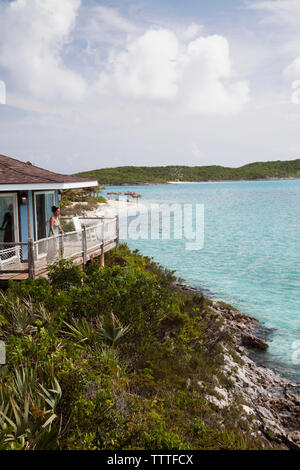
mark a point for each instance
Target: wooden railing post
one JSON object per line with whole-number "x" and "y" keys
{"x": 61, "y": 245}
{"x": 101, "y": 257}
{"x": 31, "y": 260}
{"x": 84, "y": 246}
{"x": 118, "y": 230}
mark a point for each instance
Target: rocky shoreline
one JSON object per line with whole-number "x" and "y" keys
{"x": 271, "y": 402}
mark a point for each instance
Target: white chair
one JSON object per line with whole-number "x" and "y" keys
{"x": 10, "y": 255}
{"x": 91, "y": 234}
{"x": 77, "y": 224}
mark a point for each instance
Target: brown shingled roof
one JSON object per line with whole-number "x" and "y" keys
{"x": 14, "y": 171}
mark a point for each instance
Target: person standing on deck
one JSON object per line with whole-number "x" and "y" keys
{"x": 55, "y": 229}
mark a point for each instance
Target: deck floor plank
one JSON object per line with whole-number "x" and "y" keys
{"x": 40, "y": 263}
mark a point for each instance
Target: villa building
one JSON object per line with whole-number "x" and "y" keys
{"x": 27, "y": 194}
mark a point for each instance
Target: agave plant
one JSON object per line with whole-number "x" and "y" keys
{"x": 21, "y": 316}
{"x": 81, "y": 331}
{"x": 18, "y": 315}
{"x": 112, "y": 330}
{"x": 24, "y": 382}
{"x": 27, "y": 411}
{"x": 95, "y": 335}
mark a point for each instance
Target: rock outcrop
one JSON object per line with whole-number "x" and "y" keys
{"x": 271, "y": 403}
{"x": 252, "y": 341}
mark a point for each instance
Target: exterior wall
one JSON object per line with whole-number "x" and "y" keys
{"x": 23, "y": 221}
{"x": 31, "y": 213}
{"x": 23, "y": 218}
{"x": 24, "y": 233}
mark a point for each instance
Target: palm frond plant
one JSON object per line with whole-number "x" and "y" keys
{"x": 25, "y": 379}
{"x": 28, "y": 416}
{"x": 42, "y": 315}
{"x": 80, "y": 331}
{"x": 18, "y": 316}
{"x": 113, "y": 330}
{"x": 21, "y": 316}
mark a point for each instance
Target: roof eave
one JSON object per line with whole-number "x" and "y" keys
{"x": 47, "y": 186}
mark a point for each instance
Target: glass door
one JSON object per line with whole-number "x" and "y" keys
{"x": 8, "y": 218}
{"x": 44, "y": 201}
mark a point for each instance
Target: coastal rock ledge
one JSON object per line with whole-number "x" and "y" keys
{"x": 270, "y": 403}
{"x": 254, "y": 342}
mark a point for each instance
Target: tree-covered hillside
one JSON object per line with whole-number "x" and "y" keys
{"x": 164, "y": 174}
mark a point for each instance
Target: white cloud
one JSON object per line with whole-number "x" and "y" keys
{"x": 102, "y": 24}
{"x": 206, "y": 85}
{"x": 111, "y": 19}
{"x": 192, "y": 31}
{"x": 286, "y": 13}
{"x": 182, "y": 69}
{"x": 292, "y": 71}
{"x": 149, "y": 66}
{"x": 166, "y": 95}
{"x": 280, "y": 10}
{"x": 2, "y": 92}
{"x": 196, "y": 76}
{"x": 32, "y": 35}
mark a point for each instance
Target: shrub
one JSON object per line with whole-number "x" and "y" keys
{"x": 27, "y": 411}
{"x": 128, "y": 350}
{"x": 67, "y": 225}
{"x": 65, "y": 275}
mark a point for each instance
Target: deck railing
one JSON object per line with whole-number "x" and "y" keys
{"x": 96, "y": 236}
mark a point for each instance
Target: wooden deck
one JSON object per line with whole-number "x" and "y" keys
{"x": 80, "y": 247}
{"x": 41, "y": 271}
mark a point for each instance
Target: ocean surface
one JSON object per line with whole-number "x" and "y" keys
{"x": 250, "y": 257}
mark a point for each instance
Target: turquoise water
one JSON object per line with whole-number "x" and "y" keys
{"x": 251, "y": 255}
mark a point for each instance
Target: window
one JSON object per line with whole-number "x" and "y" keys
{"x": 44, "y": 201}
{"x": 8, "y": 218}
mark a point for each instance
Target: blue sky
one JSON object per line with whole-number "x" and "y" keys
{"x": 95, "y": 83}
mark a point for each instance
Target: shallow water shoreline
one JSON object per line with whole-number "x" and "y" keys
{"x": 124, "y": 208}
{"x": 272, "y": 401}
{"x": 259, "y": 330}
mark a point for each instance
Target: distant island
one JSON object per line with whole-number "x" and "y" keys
{"x": 164, "y": 174}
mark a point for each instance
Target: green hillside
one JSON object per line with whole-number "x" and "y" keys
{"x": 118, "y": 358}
{"x": 164, "y": 174}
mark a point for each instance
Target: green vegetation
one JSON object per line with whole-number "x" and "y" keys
{"x": 164, "y": 174}
{"x": 114, "y": 358}
{"x": 80, "y": 208}
{"x": 78, "y": 202}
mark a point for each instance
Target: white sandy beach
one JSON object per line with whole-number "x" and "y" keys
{"x": 114, "y": 207}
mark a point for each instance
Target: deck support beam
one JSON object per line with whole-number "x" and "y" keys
{"x": 102, "y": 260}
